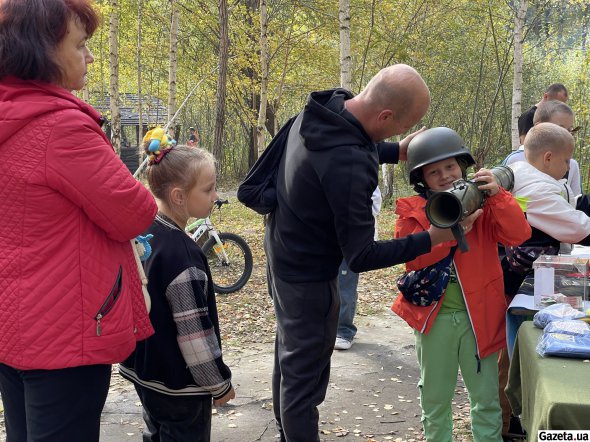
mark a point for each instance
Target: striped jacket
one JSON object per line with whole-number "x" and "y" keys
{"x": 184, "y": 356}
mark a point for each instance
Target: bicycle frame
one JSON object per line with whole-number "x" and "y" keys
{"x": 204, "y": 225}
{"x": 201, "y": 225}
{"x": 229, "y": 255}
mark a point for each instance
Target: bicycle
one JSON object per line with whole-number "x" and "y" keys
{"x": 228, "y": 254}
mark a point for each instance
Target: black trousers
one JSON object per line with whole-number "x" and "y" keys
{"x": 54, "y": 405}
{"x": 175, "y": 418}
{"x": 307, "y": 319}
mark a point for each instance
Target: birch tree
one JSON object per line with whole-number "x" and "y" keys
{"x": 173, "y": 59}
{"x": 221, "y": 92}
{"x": 139, "y": 85}
{"x": 260, "y": 126}
{"x": 345, "y": 59}
{"x": 114, "y": 76}
{"x": 518, "y": 62}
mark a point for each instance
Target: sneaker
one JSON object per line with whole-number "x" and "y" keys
{"x": 515, "y": 432}
{"x": 342, "y": 344}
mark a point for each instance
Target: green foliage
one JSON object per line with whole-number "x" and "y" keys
{"x": 462, "y": 48}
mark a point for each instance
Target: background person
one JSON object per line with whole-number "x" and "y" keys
{"x": 324, "y": 215}
{"x": 555, "y": 91}
{"x": 551, "y": 207}
{"x": 347, "y": 286}
{"x": 71, "y": 301}
{"x": 557, "y": 112}
{"x": 193, "y": 138}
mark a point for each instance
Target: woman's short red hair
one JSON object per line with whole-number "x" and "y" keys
{"x": 30, "y": 30}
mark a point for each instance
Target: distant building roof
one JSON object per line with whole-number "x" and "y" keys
{"x": 153, "y": 109}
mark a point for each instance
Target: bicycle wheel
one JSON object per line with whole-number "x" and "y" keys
{"x": 232, "y": 274}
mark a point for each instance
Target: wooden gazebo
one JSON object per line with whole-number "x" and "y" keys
{"x": 154, "y": 112}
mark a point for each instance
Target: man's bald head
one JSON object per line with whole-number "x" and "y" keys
{"x": 394, "y": 85}
{"x": 393, "y": 101}
{"x": 547, "y": 110}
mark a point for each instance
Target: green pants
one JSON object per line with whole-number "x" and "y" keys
{"x": 450, "y": 345}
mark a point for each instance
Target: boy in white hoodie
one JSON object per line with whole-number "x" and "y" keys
{"x": 550, "y": 202}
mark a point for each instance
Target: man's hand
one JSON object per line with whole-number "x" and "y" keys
{"x": 438, "y": 235}
{"x": 403, "y": 144}
{"x": 231, "y": 394}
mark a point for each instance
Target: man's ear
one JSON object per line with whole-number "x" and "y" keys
{"x": 385, "y": 114}
{"x": 177, "y": 196}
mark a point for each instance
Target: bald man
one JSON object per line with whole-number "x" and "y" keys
{"x": 325, "y": 180}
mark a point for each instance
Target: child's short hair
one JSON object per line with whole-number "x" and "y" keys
{"x": 180, "y": 167}
{"x": 547, "y": 109}
{"x": 546, "y": 137}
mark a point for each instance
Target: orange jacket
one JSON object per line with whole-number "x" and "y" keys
{"x": 478, "y": 270}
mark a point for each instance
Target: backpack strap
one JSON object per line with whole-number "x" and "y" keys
{"x": 258, "y": 191}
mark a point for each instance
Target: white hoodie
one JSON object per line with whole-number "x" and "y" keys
{"x": 550, "y": 204}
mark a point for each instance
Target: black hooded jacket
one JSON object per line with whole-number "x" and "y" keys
{"x": 324, "y": 186}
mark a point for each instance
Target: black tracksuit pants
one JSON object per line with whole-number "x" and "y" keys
{"x": 307, "y": 319}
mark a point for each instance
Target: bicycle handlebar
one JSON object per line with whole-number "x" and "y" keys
{"x": 220, "y": 203}
{"x": 196, "y": 223}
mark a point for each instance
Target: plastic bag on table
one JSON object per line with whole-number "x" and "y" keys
{"x": 555, "y": 312}
{"x": 568, "y": 327}
{"x": 567, "y": 346}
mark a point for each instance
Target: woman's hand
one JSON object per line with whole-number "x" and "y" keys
{"x": 486, "y": 175}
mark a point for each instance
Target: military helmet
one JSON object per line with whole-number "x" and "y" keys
{"x": 433, "y": 145}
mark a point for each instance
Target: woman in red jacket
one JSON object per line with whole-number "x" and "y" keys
{"x": 466, "y": 327}
{"x": 71, "y": 302}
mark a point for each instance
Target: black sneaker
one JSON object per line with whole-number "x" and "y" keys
{"x": 515, "y": 431}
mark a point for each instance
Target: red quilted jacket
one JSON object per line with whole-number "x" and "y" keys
{"x": 70, "y": 294}
{"x": 478, "y": 270}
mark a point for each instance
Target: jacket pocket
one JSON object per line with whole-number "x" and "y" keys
{"x": 110, "y": 301}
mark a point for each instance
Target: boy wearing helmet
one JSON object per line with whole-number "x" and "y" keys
{"x": 466, "y": 327}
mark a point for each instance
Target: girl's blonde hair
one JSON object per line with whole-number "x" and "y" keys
{"x": 180, "y": 167}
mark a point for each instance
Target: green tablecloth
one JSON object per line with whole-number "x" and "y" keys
{"x": 548, "y": 393}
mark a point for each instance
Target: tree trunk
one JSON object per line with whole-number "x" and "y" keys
{"x": 114, "y": 78}
{"x": 85, "y": 92}
{"x": 252, "y": 97}
{"x": 387, "y": 188}
{"x": 345, "y": 59}
{"x": 518, "y": 62}
{"x": 173, "y": 62}
{"x": 263, "y": 77}
{"x": 221, "y": 84}
{"x": 139, "y": 85}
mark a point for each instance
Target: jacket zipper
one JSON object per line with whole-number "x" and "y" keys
{"x": 109, "y": 302}
{"x": 470, "y": 320}
{"x": 429, "y": 315}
